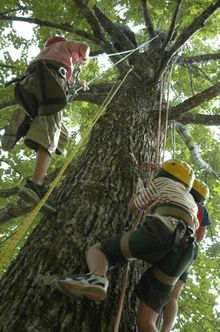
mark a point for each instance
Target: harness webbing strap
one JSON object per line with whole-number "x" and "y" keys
{"x": 177, "y": 235}
{"x": 17, "y": 91}
{"x": 50, "y": 101}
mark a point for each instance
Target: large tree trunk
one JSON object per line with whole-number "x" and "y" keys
{"x": 92, "y": 204}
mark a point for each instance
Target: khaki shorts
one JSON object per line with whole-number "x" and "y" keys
{"x": 46, "y": 130}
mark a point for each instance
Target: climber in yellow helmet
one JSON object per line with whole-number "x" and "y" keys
{"x": 165, "y": 239}
{"x": 200, "y": 193}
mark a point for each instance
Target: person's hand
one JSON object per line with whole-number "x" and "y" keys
{"x": 83, "y": 61}
{"x": 84, "y": 85}
{"x": 132, "y": 207}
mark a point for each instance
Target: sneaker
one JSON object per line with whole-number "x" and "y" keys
{"x": 90, "y": 285}
{"x": 17, "y": 128}
{"x": 33, "y": 193}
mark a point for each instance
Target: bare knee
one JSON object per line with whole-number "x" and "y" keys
{"x": 94, "y": 248}
{"x": 146, "y": 318}
{"x": 146, "y": 326}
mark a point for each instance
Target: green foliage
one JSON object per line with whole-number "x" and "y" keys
{"x": 198, "y": 310}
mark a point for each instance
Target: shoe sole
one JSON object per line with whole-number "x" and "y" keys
{"x": 30, "y": 197}
{"x": 95, "y": 293}
{"x": 10, "y": 136}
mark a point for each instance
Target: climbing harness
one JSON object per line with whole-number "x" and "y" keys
{"x": 72, "y": 83}
{"x": 48, "y": 88}
{"x": 7, "y": 252}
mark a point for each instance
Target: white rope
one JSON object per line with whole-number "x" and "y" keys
{"x": 124, "y": 52}
{"x": 122, "y": 59}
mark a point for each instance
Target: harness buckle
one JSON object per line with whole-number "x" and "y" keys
{"x": 63, "y": 72}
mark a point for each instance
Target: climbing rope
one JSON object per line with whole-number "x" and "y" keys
{"x": 174, "y": 139}
{"x": 153, "y": 167}
{"x": 167, "y": 114}
{"x": 128, "y": 51}
{"x": 27, "y": 222}
{"x": 122, "y": 59}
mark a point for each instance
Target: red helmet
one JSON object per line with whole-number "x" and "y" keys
{"x": 53, "y": 40}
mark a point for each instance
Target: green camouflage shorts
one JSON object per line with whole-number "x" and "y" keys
{"x": 47, "y": 128}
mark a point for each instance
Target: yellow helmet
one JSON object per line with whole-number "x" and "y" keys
{"x": 200, "y": 191}
{"x": 177, "y": 170}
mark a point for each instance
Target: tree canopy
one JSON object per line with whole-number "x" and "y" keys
{"x": 185, "y": 47}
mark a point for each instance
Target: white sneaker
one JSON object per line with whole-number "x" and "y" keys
{"x": 90, "y": 285}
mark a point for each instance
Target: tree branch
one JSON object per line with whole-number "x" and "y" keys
{"x": 96, "y": 94}
{"x": 197, "y": 59}
{"x": 7, "y": 238}
{"x": 147, "y": 19}
{"x": 19, "y": 8}
{"x": 196, "y": 25}
{"x": 193, "y": 148}
{"x": 200, "y": 119}
{"x": 91, "y": 19}
{"x": 119, "y": 37}
{"x": 8, "y": 163}
{"x": 12, "y": 211}
{"x": 7, "y": 66}
{"x": 5, "y": 193}
{"x": 173, "y": 23}
{"x": 189, "y": 104}
{"x": 63, "y": 26}
{"x": 115, "y": 33}
{"x": 6, "y": 104}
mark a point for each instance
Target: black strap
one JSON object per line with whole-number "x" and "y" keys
{"x": 17, "y": 80}
{"x": 46, "y": 101}
{"x": 177, "y": 235}
{"x": 30, "y": 70}
{"x": 23, "y": 101}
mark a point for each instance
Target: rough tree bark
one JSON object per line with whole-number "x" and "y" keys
{"x": 92, "y": 204}
{"x": 92, "y": 201}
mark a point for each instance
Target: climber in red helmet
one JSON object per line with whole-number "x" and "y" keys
{"x": 43, "y": 96}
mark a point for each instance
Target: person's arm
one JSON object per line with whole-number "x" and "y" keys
{"x": 132, "y": 207}
{"x": 79, "y": 50}
{"x": 143, "y": 199}
{"x": 84, "y": 50}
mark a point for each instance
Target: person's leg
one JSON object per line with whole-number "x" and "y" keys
{"x": 93, "y": 284}
{"x": 43, "y": 160}
{"x": 171, "y": 308}
{"x": 146, "y": 318}
{"x": 97, "y": 261}
{"x": 46, "y": 136}
{"x": 33, "y": 191}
